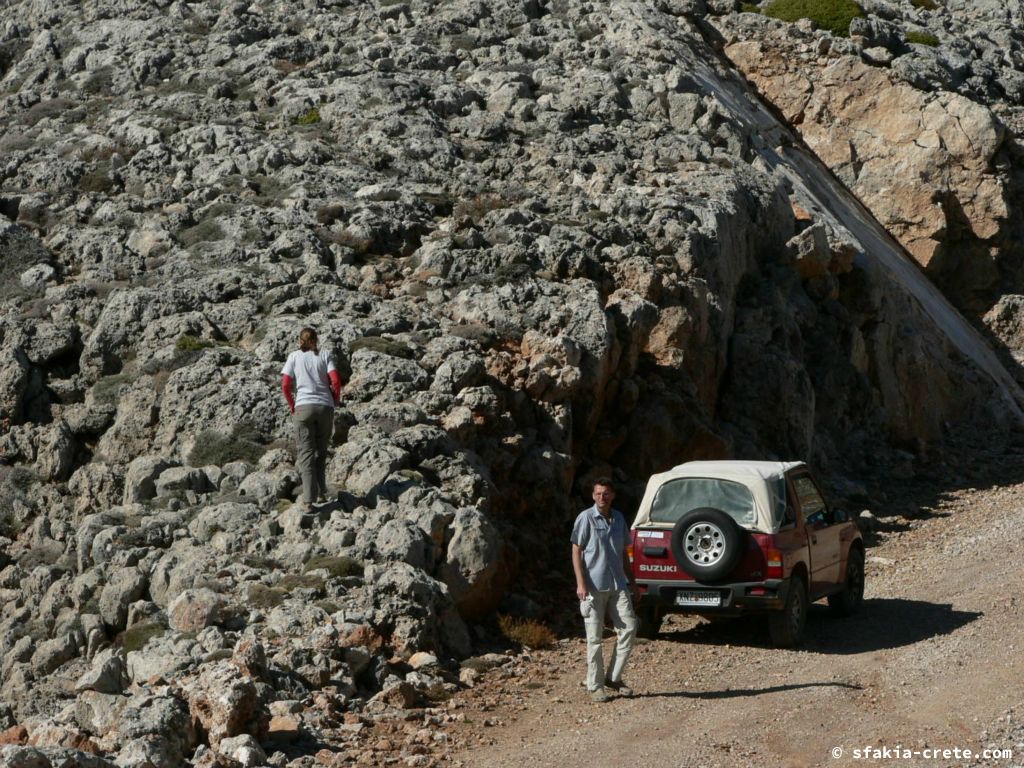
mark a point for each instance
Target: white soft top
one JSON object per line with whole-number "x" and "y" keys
{"x": 755, "y": 475}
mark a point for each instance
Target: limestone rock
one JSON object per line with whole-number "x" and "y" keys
{"x": 196, "y": 609}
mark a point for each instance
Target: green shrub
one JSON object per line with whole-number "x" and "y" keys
{"x": 100, "y": 82}
{"x": 187, "y": 343}
{"x": 205, "y": 231}
{"x": 511, "y": 273}
{"x": 833, "y": 15}
{"x": 294, "y": 581}
{"x": 310, "y": 117}
{"x": 327, "y": 606}
{"x": 261, "y": 563}
{"x": 436, "y": 693}
{"x": 337, "y": 566}
{"x": 359, "y": 245}
{"x": 262, "y": 596}
{"x": 383, "y": 346}
{"x": 478, "y": 332}
{"x": 97, "y": 181}
{"x": 478, "y": 207}
{"x": 20, "y": 251}
{"x": 478, "y": 664}
{"x": 135, "y": 638}
{"x": 15, "y": 483}
{"x": 527, "y": 632}
{"x": 44, "y": 110}
{"x": 750, "y": 8}
{"x": 212, "y": 447}
{"x": 922, "y": 38}
{"x": 107, "y": 389}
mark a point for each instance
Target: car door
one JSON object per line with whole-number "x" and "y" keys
{"x": 823, "y": 535}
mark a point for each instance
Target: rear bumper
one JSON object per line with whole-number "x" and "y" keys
{"x": 736, "y": 598}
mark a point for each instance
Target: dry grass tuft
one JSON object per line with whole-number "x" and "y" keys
{"x": 527, "y": 632}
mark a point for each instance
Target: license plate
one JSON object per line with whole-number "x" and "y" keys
{"x": 688, "y": 597}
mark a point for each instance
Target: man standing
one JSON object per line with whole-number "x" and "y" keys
{"x": 598, "y": 547}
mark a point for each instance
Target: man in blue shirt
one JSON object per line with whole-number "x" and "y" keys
{"x": 599, "y": 538}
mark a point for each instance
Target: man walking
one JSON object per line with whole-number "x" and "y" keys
{"x": 598, "y": 545}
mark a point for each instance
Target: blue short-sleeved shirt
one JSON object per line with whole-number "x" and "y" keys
{"x": 602, "y": 543}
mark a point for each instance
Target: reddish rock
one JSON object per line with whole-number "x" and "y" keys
{"x": 17, "y": 734}
{"x": 401, "y": 696}
{"x": 363, "y": 635}
{"x": 283, "y": 728}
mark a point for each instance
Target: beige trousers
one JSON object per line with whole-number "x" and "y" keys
{"x": 618, "y": 606}
{"x": 313, "y": 427}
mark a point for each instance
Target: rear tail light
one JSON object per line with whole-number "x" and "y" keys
{"x": 773, "y": 560}
{"x": 629, "y": 552}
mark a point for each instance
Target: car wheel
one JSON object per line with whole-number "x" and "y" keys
{"x": 648, "y": 621}
{"x": 707, "y": 543}
{"x": 848, "y": 602}
{"x": 787, "y": 626}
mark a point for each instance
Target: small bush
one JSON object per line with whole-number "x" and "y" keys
{"x": 47, "y": 109}
{"x": 100, "y": 83}
{"x": 330, "y": 213}
{"x": 262, "y": 596}
{"x": 108, "y": 389}
{"x": 310, "y": 117}
{"x": 436, "y": 693}
{"x": 922, "y": 38}
{"x": 750, "y": 8}
{"x": 336, "y": 566}
{"x": 20, "y": 251}
{"x": 243, "y": 444}
{"x": 261, "y": 563}
{"x": 383, "y": 346}
{"x": 478, "y": 207}
{"x": 527, "y": 632}
{"x": 511, "y": 273}
{"x": 205, "y": 231}
{"x": 15, "y": 485}
{"x": 97, "y": 181}
{"x": 478, "y": 332}
{"x": 295, "y": 581}
{"x": 359, "y": 245}
{"x": 187, "y": 343}
{"x": 925, "y": 5}
{"x": 135, "y": 638}
{"x": 327, "y": 606}
{"x": 478, "y": 664}
{"x": 832, "y": 15}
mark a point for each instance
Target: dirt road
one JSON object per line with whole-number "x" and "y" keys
{"x": 933, "y": 662}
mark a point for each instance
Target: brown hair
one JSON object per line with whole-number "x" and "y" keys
{"x": 308, "y": 340}
{"x": 603, "y": 481}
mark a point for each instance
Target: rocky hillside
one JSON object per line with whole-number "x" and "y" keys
{"x": 544, "y": 240}
{"x": 920, "y": 111}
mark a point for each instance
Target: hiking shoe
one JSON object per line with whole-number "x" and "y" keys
{"x": 599, "y": 696}
{"x": 620, "y": 688}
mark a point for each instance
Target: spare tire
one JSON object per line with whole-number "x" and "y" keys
{"x": 707, "y": 543}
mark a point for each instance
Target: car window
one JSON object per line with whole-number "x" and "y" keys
{"x": 811, "y": 503}
{"x": 677, "y": 497}
{"x": 778, "y": 489}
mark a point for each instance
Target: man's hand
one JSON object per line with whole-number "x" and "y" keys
{"x": 577, "y": 567}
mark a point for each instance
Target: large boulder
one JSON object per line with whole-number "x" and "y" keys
{"x": 474, "y": 569}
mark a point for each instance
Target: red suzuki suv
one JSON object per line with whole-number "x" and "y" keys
{"x": 732, "y": 537}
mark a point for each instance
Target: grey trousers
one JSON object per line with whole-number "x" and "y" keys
{"x": 618, "y": 606}
{"x": 313, "y": 427}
